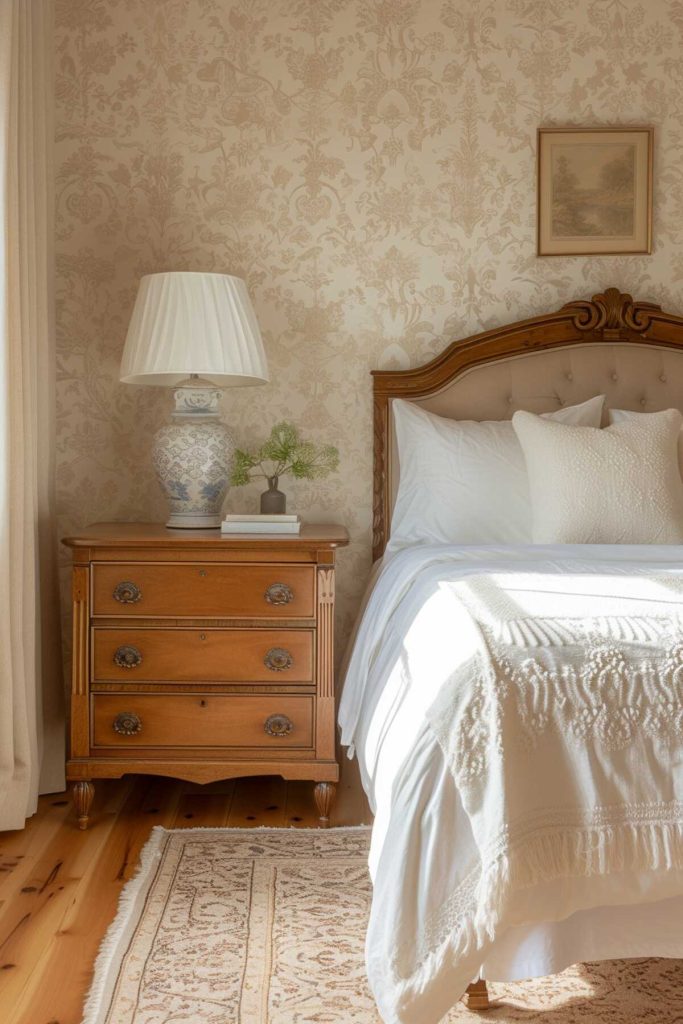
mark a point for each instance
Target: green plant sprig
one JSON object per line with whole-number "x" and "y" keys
{"x": 285, "y": 452}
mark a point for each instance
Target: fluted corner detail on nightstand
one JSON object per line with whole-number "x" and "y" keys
{"x": 79, "y": 679}
{"x": 326, "y": 632}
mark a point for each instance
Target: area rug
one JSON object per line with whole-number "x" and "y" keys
{"x": 267, "y": 926}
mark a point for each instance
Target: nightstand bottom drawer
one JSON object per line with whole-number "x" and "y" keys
{"x": 196, "y": 720}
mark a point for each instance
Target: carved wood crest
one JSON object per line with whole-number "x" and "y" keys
{"x": 611, "y": 312}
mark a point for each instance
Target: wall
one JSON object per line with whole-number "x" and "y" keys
{"x": 368, "y": 166}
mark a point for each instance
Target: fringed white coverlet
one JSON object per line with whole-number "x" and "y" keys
{"x": 559, "y": 712}
{"x": 550, "y": 730}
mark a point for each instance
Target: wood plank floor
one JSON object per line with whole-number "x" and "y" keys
{"x": 59, "y": 887}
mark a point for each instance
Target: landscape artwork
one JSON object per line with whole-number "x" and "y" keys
{"x": 594, "y": 191}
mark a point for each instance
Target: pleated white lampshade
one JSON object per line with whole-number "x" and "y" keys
{"x": 185, "y": 323}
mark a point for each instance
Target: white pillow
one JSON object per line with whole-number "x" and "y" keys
{"x": 624, "y": 415}
{"x": 463, "y": 482}
{"x": 620, "y": 485}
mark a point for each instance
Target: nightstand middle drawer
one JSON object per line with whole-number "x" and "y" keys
{"x": 203, "y": 655}
{"x": 204, "y": 590}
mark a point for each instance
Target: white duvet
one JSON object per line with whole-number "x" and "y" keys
{"x": 470, "y": 702}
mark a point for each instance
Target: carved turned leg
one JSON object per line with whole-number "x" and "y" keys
{"x": 84, "y": 792}
{"x": 324, "y": 794}
{"x": 477, "y": 995}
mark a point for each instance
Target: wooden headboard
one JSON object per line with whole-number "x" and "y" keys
{"x": 609, "y": 345}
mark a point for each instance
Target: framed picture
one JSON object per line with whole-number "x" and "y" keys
{"x": 594, "y": 191}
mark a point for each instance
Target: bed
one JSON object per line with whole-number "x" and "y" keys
{"x": 520, "y": 827}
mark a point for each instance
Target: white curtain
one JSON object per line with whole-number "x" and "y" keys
{"x": 31, "y": 716}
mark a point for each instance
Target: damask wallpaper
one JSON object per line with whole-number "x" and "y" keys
{"x": 368, "y": 166}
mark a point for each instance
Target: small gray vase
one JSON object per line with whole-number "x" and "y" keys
{"x": 273, "y": 502}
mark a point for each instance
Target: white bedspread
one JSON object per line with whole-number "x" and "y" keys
{"x": 518, "y": 718}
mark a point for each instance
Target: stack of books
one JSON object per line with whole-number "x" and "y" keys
{"x": 261, "y": 524}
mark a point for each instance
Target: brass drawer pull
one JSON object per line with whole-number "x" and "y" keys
{"x": 278, "y": 725}
{"x": 127, "y": 723}
{"x": 278, "y": 659}
{"x": 127, "y": 592}
{"x": 127, "y": 657}
{"x": 279, "y": 593}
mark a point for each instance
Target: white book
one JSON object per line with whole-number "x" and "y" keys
{"x": 260, "y": 527}
{"x": 261, "y": 519}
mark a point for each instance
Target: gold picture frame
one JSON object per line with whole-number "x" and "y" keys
{"x": 594, "y": 191}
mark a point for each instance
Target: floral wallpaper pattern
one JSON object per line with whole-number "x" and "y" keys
{"x": 368, "y": 166}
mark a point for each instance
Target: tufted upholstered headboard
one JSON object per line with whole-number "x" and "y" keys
{"x": 630, "y": 351}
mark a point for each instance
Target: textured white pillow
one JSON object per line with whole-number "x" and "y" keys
{"x": 463, "y": 482}
{"x": 620, "y": 485}
{"x": 624, "y": 415}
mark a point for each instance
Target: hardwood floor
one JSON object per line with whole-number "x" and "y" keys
{"x": 59, "y": 887}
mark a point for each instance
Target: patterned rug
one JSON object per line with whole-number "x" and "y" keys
{"x": 267, "y": 926}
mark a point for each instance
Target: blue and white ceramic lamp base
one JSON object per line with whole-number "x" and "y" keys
{"x": 193, "y": 457}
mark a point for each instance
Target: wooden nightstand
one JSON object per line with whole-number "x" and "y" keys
{"x": 203, "y": 657}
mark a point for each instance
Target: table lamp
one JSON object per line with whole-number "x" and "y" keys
{"x": 196, "y": 333}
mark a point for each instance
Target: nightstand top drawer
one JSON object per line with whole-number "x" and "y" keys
{"x": 203, "y": 590}
{"x": 190, "y": 720}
